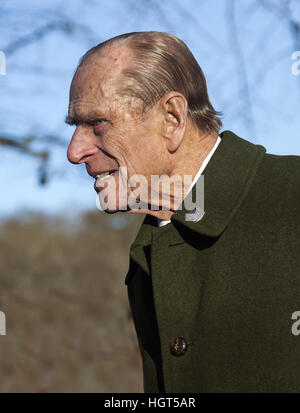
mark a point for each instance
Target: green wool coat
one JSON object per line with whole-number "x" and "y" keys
{"x": 228, "y": 284}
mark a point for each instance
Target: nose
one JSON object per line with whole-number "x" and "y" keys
{"x": 81, "y": 146}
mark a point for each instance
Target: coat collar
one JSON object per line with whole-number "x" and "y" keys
{"x": 227, "y": 179}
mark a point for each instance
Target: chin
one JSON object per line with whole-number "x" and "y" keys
{"x": 112, "y": 209}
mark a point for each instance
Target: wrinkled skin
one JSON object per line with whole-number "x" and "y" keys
{"x": 111, "y": 132}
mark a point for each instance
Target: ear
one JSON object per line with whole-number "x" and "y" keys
{"x": 174, "y": 106}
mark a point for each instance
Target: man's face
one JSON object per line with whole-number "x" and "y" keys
{"x": 110, "y": 133}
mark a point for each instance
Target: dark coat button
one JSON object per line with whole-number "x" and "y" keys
{"x": 178, "y": 346}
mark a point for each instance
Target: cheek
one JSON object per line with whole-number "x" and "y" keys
{"x": 115, "y": 145}
{"x": 132, "y": 146}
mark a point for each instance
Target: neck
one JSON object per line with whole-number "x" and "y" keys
{"x": 185, "y": 164}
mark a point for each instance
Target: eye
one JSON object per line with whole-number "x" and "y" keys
{"x": 98, "y": 126}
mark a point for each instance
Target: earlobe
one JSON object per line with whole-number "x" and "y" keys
{"x": 174, "y": 142}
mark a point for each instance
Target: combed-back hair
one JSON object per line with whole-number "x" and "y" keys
{"x": 162, "y": 63}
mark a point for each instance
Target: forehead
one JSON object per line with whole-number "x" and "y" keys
{"x": 96, "y": 85}
{"x": 100, "y": 74}
{"x": 97, "y": 81}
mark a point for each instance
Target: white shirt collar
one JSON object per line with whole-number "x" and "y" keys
{"x": 161, "y": 222}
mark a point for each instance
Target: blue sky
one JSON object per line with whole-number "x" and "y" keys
{"x": 34, "y": 92}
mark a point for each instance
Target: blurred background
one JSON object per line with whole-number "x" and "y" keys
{"x": 62, "y": 262}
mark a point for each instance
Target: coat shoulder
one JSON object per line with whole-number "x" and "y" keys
{"x": 280, "y": 173}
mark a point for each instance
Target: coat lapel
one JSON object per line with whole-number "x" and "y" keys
{"x": 227, "y": 179}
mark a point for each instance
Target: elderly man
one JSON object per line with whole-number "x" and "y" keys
{"x": 214, "y": 289}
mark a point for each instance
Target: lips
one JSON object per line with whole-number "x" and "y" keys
{"x": 102, "y": 177}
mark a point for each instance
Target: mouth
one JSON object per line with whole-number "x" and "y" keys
{"x": 103, "y": 175}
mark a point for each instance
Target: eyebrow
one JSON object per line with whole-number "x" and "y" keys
{"x": 92, "y": 117}
{"x": 69, "y": 120}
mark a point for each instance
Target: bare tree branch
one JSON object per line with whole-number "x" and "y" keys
{"x": 36, "y": 35}
{"x": 41, "y": 32}
{"x": 241, "y": 68}
{"x": 283, "y": 11}
{"x": 23, "y": 145}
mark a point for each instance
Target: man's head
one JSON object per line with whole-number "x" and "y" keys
{"x": 139, "y": 101}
